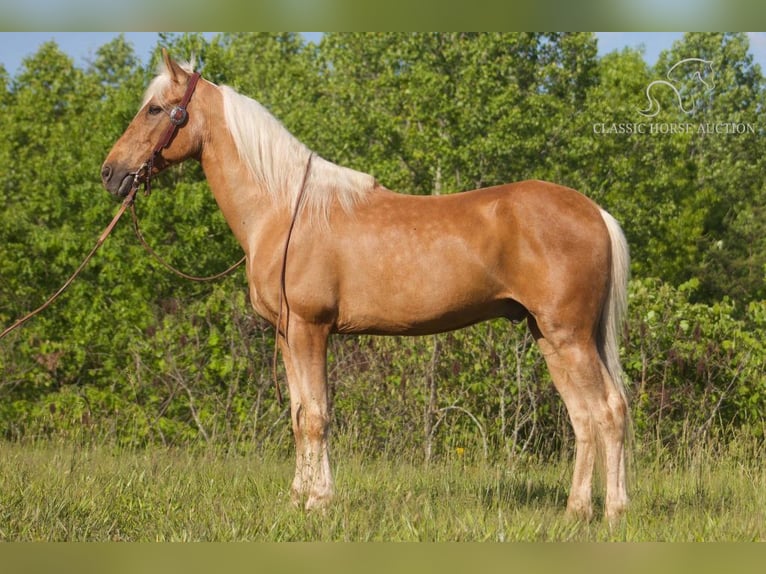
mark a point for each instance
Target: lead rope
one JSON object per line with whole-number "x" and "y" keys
{"x": 282, "y": 292}
{"x": 128, "y": 201}
{"x": 167, "y": 265}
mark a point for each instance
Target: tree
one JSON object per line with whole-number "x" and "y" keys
{"x": 115, "y": 63}
{"x": 438, "y": 113}
{"x": 641, "y": 177}
{"x": 729, "y": 180}
{"x": 155, "y": 358}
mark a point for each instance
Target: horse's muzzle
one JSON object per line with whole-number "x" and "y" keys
{"x": 118, "y": 182}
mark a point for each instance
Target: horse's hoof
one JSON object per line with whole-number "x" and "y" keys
{"x": 579, "y": 512}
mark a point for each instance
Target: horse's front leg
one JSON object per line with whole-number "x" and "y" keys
{"x": 305, "y": 358}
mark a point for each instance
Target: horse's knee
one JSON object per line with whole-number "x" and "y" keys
{"x": 311, "y": 422}
{"x": 316, "y": 422}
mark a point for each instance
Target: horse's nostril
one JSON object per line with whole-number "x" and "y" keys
{"x": 106, "y": 173}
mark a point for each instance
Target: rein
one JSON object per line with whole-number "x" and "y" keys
{"x": 178, "y": 117}
{"x": 282, "y": 284}
{"x": 128, "y": 201}
{"x": 167, "y": 265}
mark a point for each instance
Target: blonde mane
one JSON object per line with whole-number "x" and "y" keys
{"x": 275, "y": 158}
{"x": 277, "y": 161}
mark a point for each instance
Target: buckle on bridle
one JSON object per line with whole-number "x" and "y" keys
{"x": 178, "y": 116}
{"x": 143, "y": 175}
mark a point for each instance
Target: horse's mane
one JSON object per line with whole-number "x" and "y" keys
{"x": 277, "y": 161}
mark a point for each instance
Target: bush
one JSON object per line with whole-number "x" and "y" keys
{"x": 202, "y": 374}
{"x": 696, "y": 369}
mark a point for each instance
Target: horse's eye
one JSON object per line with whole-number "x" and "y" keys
{"x": 154, "y": 110}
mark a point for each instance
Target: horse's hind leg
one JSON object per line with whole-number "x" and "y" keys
{"x": 568, "y": 383}
{"x": 597, "y": 413}
{"x": 612, "y": 421}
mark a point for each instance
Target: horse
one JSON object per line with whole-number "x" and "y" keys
{"x": 331, "y": 250}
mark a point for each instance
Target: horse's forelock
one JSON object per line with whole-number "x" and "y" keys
{"x": 161, "y": 81}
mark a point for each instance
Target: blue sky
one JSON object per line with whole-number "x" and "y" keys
{"x": 82, "y": 46}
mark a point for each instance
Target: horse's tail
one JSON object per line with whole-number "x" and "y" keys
{"x": 616, "y": 305}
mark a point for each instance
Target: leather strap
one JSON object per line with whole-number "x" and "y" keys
{"x": 178, "y": 117}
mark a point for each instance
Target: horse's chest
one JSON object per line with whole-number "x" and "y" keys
{"x": 262, "y": 304}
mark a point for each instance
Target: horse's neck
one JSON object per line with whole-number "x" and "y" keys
{"x": 247, "y": 208}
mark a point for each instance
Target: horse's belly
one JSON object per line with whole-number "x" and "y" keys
{"x": 408, "y": 311}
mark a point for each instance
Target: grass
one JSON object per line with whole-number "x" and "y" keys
{"x": 55, "y": 492}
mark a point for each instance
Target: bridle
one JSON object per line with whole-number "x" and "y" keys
{"x": 178, "y": 117}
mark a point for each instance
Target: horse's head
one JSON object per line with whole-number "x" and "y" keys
{"x": 162, "y": 133}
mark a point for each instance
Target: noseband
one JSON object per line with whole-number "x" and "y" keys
{"x": 178, "y": 118}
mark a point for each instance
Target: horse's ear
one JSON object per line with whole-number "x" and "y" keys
{"x": 177, "y": 74}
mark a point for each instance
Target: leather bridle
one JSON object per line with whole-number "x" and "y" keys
{"x": 178, "y": 117}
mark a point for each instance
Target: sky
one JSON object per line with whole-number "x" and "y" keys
{"x": 82, "y": 46}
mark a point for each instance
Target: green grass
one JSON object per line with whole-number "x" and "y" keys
{"x": 56, "y": 492}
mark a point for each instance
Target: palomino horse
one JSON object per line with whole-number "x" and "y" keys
{"x": 330, "y": 250}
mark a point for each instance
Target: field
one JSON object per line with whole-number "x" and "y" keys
{"x": 60, "y": 492}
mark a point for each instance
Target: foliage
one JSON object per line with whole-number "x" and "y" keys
{"x": 696, "y": 369}
{"x": 136, "y": 356}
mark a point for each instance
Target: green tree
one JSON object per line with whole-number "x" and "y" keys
{"x": 438, "y": 113}
{"x": 729, "y": 181}
{"x": 145, "y": 356}
{"x": 643, "y": 179}
{"x": 115, "y": 63}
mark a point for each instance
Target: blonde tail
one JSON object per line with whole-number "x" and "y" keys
{"x": 616, "y": 304}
